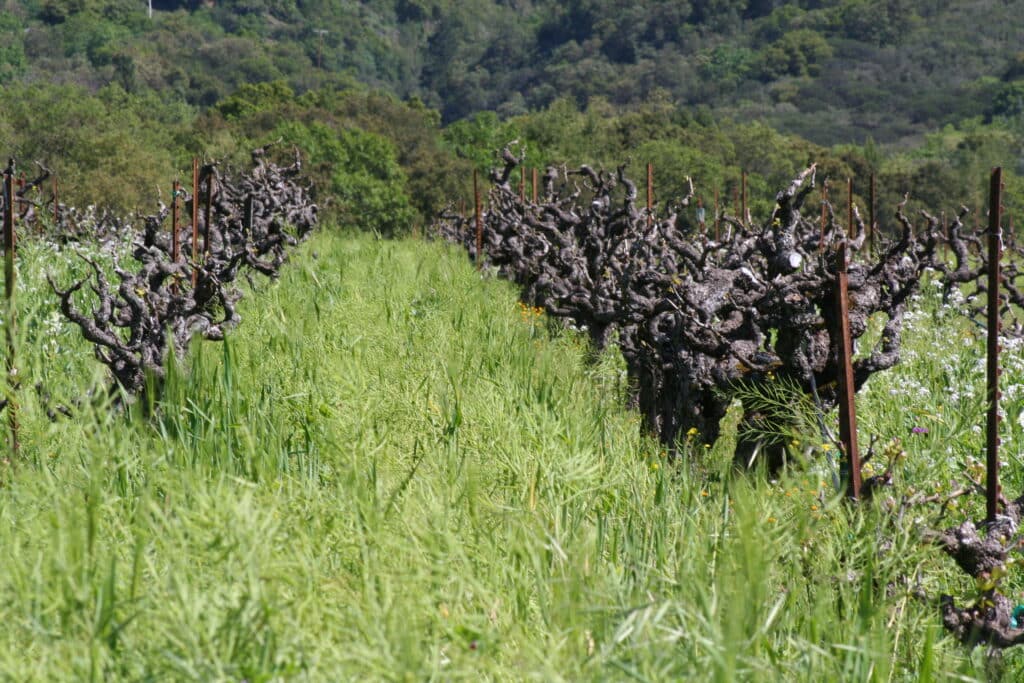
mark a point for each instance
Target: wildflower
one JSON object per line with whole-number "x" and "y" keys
{"x": 654, "y": 466}
{"x": 704, "y": 493}
{"x": 772, "y": 520}
{"x": 814, "y": 508}
{"x": 826, "y": 447}
{"x": 692, "y": 431}
{"x": 919, "y": 430}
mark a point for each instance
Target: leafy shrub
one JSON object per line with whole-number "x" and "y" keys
{"x": 360, "y": 171}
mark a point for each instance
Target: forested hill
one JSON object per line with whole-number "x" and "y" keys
{"x": 393, "y": 103}
{"x": 832, "y": 71}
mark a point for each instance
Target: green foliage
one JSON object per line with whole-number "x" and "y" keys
{"x": 862, "y": 66}
{"x": 726, "y": 66}
{"x": 111, "y": 149}
{"x": 879, "y": 22}
{"x": 1009, "y": 100}
{"x": 477, "y": 137}
{"x": 364, "y": 180}
{"x": 798, "y": 53}
{"x": 256, "y": 98}
{"x": 388, "y": 473}
{"x": 12, "y": 48}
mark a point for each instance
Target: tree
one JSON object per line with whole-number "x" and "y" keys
{"x": 361, "y": 174}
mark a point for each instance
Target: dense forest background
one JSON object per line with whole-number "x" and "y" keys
{"x": 394, "y": 102}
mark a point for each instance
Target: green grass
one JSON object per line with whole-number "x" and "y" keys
{"x": 391, "y": 472}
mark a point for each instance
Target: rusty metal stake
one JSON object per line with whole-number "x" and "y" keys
{"x": 19, "y": 198}
{"x": 56, "y": 205}
{"x": 851, "y": 231}
{"x": 824, "y": 200}
{"x": 248, "y": 214}
{"x": 195, "y": 220}
{"x": 209, "y": 216}
{"x": 175, "y": 246}
{"x": 716, "y": 214}
{"x": 992, "y": 488}
{"x": 9, "y": 327}
{"x": 847, "y": 409}
{"x": 175, "y": 240}
{"x": 743, "y": 192}
{"x": 650, "y": 194}
{"x": 479, "y": 222}
{"x": 871, "y": 216}
{"x": 945, "y": 238}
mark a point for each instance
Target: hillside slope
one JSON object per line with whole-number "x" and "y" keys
{"x": 834, "y": 71}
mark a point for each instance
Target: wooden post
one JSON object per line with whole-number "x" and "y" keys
{"x": 175, "y": 242}
{"x": 522, "y": 185}
{"x": 56, "y": 204}
{"x": 824, "y": 213}
{"x": 716, "y": 214}
{"x": 22, "y": 207}
{"x": 175, "y": 239}
{"x": 535, "y": 186}
{"x": 851, "y": 230}
{"x": 195, "y": 220}
{"x": 248, "y": 215}
{"x": 11, "y": 319}
{"x": 992, "y": 488}
{"x": 743, "y": 194}
{"x": 479, "y": 222}
{"x": 945, "y": 238}
{"x": 208, "y": 216}
{"x": 871, "y": 216}
{"x": 847, "y": 410}
{"x": 650, "y": 194}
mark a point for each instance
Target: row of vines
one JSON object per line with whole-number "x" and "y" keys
{"x": 701, "y": 318}
{"x": 160, "y": 281}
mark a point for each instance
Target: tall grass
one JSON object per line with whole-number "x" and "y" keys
{"x": 393, "y": 472}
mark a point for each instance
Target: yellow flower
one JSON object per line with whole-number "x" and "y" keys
{"x": 692, "y": 431}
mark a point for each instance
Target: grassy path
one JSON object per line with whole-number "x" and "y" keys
{"x": 392, "y": 472}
